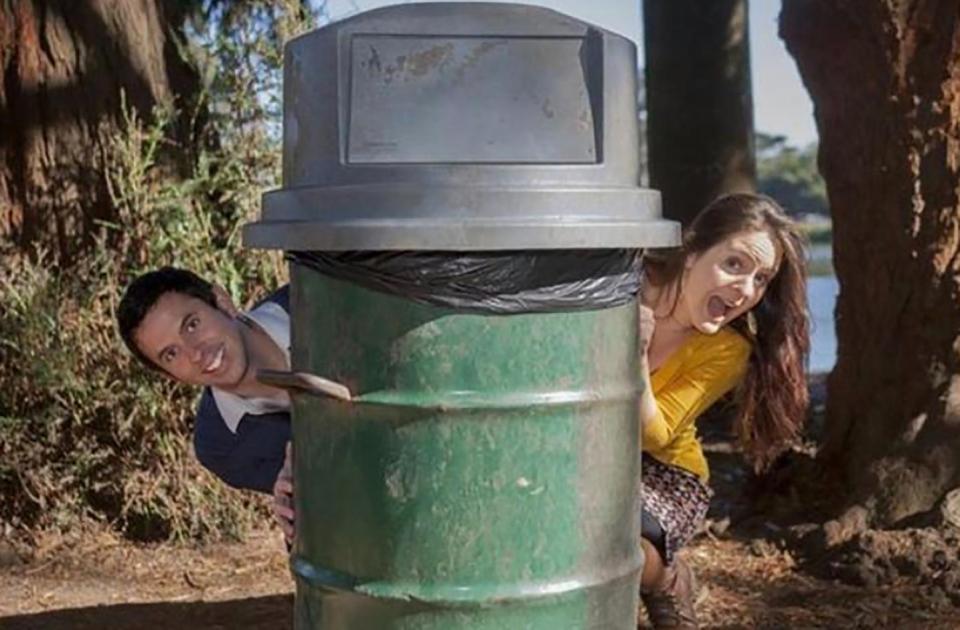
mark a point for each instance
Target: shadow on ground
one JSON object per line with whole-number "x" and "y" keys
{"x": 274, "y": 612}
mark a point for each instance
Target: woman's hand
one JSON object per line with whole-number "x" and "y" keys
{"x": 647, "y": 324}
{"x": 283, "y": 496}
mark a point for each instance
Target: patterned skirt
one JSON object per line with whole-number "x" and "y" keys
{"x": 677, "y": 498}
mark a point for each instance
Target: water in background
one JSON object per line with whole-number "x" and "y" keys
{"x": 822, "y": 297}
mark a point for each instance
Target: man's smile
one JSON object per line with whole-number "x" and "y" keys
{"x": 214, "y": 364}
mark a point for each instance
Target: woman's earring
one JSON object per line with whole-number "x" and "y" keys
{"x": 752, "y": 323}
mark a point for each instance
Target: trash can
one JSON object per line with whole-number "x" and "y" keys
{"x": 462, "y": 218}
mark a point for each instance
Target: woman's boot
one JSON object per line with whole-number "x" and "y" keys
{"x": 670, "y": 604}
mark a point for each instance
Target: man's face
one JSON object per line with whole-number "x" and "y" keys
{"x": 193, "y": 342}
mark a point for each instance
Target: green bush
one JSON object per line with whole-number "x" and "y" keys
{"x": 86, "y": 433}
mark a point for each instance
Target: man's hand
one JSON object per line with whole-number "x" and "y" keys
{"x": 283, "y": 496}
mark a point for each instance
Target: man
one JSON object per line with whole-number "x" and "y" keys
{"x": 179, "y": 324}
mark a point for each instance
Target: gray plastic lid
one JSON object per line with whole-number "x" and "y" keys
{"x": 460, "y": 126}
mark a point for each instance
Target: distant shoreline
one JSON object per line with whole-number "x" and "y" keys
{"x": 818, "y": 231}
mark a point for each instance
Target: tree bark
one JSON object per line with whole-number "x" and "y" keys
{"x": 885, "y": 80}
{"x": 699, "y": 102}
{"x": 65, "y": 64}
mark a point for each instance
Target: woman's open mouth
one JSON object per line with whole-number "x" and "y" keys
{"x": 717, "y": 308}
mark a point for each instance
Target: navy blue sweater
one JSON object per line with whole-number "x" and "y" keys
{"x": 252, "y": 457}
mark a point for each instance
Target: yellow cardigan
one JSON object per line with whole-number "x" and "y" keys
{"x": 694, "y": 377}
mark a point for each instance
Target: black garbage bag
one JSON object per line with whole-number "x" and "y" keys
{"x": 502, "y": 282}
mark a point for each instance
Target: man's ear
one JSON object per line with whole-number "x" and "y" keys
{"x": 224, "y": 301}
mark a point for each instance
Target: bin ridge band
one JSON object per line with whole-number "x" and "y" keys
{"x": 585, "y": 205}
{"x": 472, "y": 400}
{"x": 453, "y": 234}
{"x": 453, "y": 595}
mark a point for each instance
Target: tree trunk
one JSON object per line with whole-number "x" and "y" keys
{"x": 65, "y": 64}
{"x": 699, "y": 103}
{"x": 885, "y": 80}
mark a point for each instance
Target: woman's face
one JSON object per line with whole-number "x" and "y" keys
{"x": 727, "y": 280}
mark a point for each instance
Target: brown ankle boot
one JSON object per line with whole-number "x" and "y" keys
{"x": 670, "y": 605}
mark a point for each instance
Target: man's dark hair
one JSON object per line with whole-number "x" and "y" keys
{"x": 144, "y": 292}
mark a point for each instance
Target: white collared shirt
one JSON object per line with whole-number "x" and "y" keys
{"x": 276, "y": 323}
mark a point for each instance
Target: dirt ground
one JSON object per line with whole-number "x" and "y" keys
{"x": 108, "y": 583}
{"x": 112, "y": 584}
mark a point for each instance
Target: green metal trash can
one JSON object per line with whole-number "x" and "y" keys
{"x": 486, "y": 477}
{"x": 486, "y": 473}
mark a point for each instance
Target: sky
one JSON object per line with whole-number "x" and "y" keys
{"x": 780, "y": 103}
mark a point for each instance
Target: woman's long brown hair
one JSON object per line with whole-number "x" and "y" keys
{"x": 773, "y": 397}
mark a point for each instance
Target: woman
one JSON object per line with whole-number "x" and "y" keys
{"x": 727, "y": 310}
